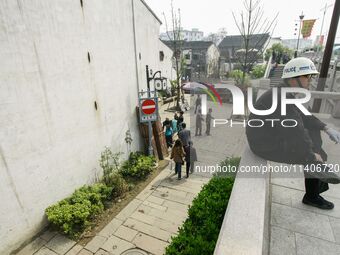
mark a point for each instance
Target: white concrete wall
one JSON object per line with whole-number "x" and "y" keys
{"x": 51, "y": 135}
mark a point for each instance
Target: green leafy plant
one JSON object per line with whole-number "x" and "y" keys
{"x": 228, "y": 163}
{"x": 138, "y": 166}
{"x": 72, "y": 215}
{"x": 110, "y": 163}
{"x": 199, "y": 233}
{"x": 237, "y": 76}
{"x": 258, "y": 71}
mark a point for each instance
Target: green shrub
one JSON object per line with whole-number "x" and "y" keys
{"x": 237, "y": 75}
{"x": 199, "y": 233}
{"x": 258, "y": 71}
{"x": 229, "y": 163}
{"x": 138, "y": 166}
{"x": 72, "y": 215}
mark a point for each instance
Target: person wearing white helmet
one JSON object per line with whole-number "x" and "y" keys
{"x": 301, "y": 144}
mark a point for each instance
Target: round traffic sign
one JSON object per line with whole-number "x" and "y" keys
{"x": 148, "y": 106}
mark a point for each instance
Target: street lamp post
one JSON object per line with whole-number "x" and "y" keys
{"x": 297, "y": 45}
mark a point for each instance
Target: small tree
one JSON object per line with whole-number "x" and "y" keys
{"x": 278, "y": 49}
{"x": 175, "y": 38}
{"x": 252, "y": 22}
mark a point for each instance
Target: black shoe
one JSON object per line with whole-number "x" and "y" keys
{"x": 319, "y": 202}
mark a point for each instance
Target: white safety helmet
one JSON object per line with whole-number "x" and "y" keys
{"x": 298, "y": 67}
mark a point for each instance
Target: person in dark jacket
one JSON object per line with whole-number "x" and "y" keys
{"x": 198, "y": 103}
{"x": 180, "y": 120}
{"x": 190, "y": 158}
{"x": 208, "y": 120}
{"x": 301, "y": 144}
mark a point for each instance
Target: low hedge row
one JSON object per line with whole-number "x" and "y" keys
{"x": 199, "y": 233}
{"x": 73, "y": 214}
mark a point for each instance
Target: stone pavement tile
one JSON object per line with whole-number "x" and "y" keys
{"x": 335, "y": 223}
{"x": 173, "y": 197}
{"x": 154, "y": 221}
{"x": 85, "y": 252}
{"x": 282, "y": 241}
{"x": 155, "y": 206}
{"x": 155, "y": 200}
{"x": 168, "y": 191}
{"x": 101, "y": 252}
{"x": 176, "y": 206}
{"x": 297, "y": 203}
{"x": 144, "y": 209}
{"x": 48, "y": 235}
{"x": 150, "y": 244}
{"x": 294, "y": 183}
{"x": 110, "y": 228}
{"x": 306, "y": 245}
{"x": 75, "y": 250}
{"x": 170, "y": 215}
{"x": 95, "y": 243}
{"x": 116, "y": 246}
{"x": 128, "y": 210}
{"x": 148, "y": 229}
{"x": 181, "y": 187}
{"x": 32, "y": 247}
{"x": 45, "y": 251}
{"x": 60, "y": 244}
{"x": 301, "y": 221}
{"x": 126, "y": 233}
{"x": 144, "y": 194}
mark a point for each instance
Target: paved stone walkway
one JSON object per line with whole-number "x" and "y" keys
{"x": 298, "y": 229}
{"x": 147, "y": 222}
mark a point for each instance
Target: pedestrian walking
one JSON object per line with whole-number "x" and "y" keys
{"x": 300, "y": 144}
{"x": 190, "y": 158}
{"x": 180, "y": 120}
{"x": 177, "y": 154}
{"x": 208, "y": 121}
{"x": 168, "y": 135}
{"x": 184, "y": 135}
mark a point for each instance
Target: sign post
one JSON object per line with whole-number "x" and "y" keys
{"x": 148, "y": 112}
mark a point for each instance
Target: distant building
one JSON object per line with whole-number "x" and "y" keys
{"x": 216, "y": 37}
{"x": 201, "y": 58}
{"x": 233, "y": 46}
{"x": 303, "y": 43}
{"x": 186, "y": 35}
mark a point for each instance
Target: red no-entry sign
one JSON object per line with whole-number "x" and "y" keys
{"x": 148, "y": 106}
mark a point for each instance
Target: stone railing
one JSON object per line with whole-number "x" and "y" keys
{"x": 245, "y": 228}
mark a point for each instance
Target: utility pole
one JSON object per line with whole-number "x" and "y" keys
{"x": 327, "y": 54}
{"x": 323, "y": 19}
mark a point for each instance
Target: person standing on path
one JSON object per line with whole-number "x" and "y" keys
{"x": 184, "y": 135}
{"x": 199, "y": 119}
{"x": 177, "y": 154}
{"x": 208, "y": 121}
{"x": 190, "y": 158}
{"x": 180, "y": 120}
{"x": 198, "y": 103}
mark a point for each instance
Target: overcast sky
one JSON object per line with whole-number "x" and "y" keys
{"x": 210, "y": 15}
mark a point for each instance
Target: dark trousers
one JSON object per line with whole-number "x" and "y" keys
{"x": 178, "y": 169}
{"x": 208, "y": 128}
{"x": 198, "y": 129}
{"x": 187, "y": 168}
{"x": 168, "y": 140}
{"x": 284, "y": 154}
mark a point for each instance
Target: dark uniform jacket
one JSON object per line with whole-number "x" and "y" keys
{"x": 280, "y": 143}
